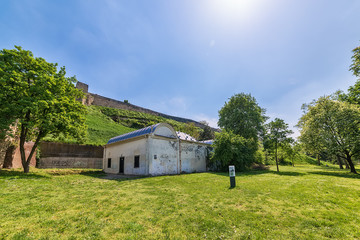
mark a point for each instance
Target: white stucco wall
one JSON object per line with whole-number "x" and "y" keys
{"x": 128, "y": 150}
{"x": 160, "y": 154}
{"x": 163, "y": 156}
{"x": 193, "y": 157}
{"x": 165, "y": 131}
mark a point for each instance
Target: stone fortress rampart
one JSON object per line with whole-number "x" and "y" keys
{"x": 95, "y": 99}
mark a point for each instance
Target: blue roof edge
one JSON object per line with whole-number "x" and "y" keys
{"x": 136, "y": 133}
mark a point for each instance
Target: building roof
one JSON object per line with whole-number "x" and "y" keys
{"x": 151, "y": 129}
{"x": 185, "y": 136}
{"x": 211, "y": 141}
{"x": 133, "y": 134}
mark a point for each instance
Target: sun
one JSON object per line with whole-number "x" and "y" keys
{"x": 233, "y": 11}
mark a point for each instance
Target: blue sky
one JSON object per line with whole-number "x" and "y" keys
{"x": 186, "y": 57}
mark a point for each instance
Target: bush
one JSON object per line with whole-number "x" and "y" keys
{"x": 232, "y": 149}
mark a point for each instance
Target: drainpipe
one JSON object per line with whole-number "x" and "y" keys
{"x": 179, "y": 155}
{"x": 104, "y": 156}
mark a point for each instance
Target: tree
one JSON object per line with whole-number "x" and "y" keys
{"x": 355, "y": 66}
{"x": 191, "y": 129}
{"x": 353, "y": 95}
{"x": 291, "y": 149}
{"x": 232, "y": 149}
{"x": 242, "y": 115}
{"x": 39, "y": 98}
{"x": 207, "y": 133}
{"x": 312, "y": 139}
{"x": 277, "y": 133}
{"x": 334, "y": 126}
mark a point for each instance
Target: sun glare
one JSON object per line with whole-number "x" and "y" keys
{"x": 233, "y": 11}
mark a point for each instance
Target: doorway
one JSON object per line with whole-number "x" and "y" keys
{"x": 121, "y": 165}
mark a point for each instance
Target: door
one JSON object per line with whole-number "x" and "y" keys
{"x": 121, "y": 165}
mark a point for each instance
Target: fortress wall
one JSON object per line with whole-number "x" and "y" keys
{"x": 108, "y": 102}
{"x": 95, "y": 99}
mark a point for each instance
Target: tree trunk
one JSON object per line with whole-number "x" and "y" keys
{"x": 347, "y": 165}
{"x": 318, "y": 158}
{"x": 27, "y": 161}
{"x": 339, "y": 162}
{"x": 276, "y": 158}
{"x": 352, "y": 167}
{"x": 22, "y": 149}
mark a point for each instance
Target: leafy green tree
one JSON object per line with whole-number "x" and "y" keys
{"x": 292, "y": 150}
{"x": 232, "y": 149}
{"x": 277, "y": 133}
{"x": 313, "y": 143}
{"x": 353, "y": 94}
{"x": 334, "y": 126}
{"x": 242, "y": 115}
{"x": 39, "y": 98}
{"x": 355, "y": 66}
{"x": 207, "y": 133}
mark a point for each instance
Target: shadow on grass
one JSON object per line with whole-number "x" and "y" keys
{"x": 282, "y": 173}
{"x": 337, "y": 174}
{"x": 254, "y": 173}
{"x": 11, "y": 174}
{"x": 238, "y": 174}
{"x": 108, "y": 176}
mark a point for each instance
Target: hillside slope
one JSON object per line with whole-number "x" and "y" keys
{"x": 104, "y": 123}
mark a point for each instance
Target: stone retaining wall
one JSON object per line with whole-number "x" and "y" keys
{"x": 70, "y": 162}
{"x": 62, "y": 155}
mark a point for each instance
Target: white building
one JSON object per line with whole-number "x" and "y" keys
{"x": 154, "y": 150}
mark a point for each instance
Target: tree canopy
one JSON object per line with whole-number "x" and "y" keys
{"x": 39, "y": 98}
{"x": 277, "y": 133}
{"x": 353, "y": 94}
{"x": 232, "y": 149}
{"x": 332, "y": 125}
{"x": 242, "y": 115}
{"x": 207, "y": 133}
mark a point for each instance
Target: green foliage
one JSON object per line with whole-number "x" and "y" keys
{"x": 191, "y": 129}
{"x": 139, "y": 120}
{"x": 355, "y": 66}
{"x": 40, "y": 98}
{"x": 242, "y": 115}
{"x": 276, "y": 135}
{"x": 353, "y": 94}
{"x": 104, "y": 123}
{"x": 207, "y": 133}
{"x": 101, "y": 127}
{"x": 232, "y": 149}
{"x": 333, "y": 126}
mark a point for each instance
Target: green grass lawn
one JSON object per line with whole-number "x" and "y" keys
{"x": 302, "y": 202}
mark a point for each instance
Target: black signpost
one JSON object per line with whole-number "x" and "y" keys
{"x": 232, "y": 176}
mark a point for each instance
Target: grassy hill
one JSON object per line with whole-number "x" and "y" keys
{"x": 104, "y": 123}
{"x": 302, "y": 202}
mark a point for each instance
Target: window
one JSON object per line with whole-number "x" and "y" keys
{"x": 109, "y": 162}
{"x": 137, "y": 161}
